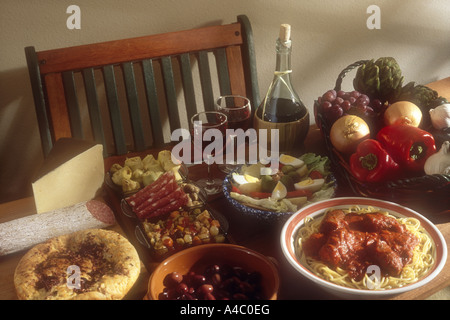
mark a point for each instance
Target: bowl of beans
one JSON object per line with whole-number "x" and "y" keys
{"x": 217, "y": 271}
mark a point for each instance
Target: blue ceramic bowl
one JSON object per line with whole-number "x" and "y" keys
{"x": 265, "y": 216}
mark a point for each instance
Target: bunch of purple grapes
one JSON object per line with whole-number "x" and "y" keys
{"x": 334, "y": 105}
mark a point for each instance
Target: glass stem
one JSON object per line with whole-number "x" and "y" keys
{"x": 210, "y": 180}
{"x": 209, "y": 174}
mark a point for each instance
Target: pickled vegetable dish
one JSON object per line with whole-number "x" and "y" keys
{"x": 183, "y": 229}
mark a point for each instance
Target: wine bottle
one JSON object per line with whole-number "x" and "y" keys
{"x": 282, "y": 108}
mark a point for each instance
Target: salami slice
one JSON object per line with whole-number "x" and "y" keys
{"x": 155, "y": 196}
{"x": 173, "y": 205}
{"x": 143, "y": 194}
{"x": 159, "y": 203}
{"x": 28, "y": 231}
{"x": 101, "y": 212}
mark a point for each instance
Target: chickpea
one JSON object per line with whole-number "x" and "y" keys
{"x": 214, "y": 231}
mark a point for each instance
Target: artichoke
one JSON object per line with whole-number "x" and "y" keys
{"x": 416, "y": 93}
{"x": 379, "y": 79}
{"x": 422, "y": 96}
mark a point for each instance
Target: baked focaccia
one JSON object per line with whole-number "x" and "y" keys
{"x": 90, "y": 264}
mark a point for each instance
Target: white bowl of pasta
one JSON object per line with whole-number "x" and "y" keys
{"x": 362, "y": 248}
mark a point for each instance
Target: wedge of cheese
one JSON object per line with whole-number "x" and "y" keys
{"x": 73, "y": 172}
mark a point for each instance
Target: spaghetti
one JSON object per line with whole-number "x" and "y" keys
{"x": 418, "y": 260}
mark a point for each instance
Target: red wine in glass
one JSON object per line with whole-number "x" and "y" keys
{"x": 206, "y": 127}
{"x": 238, "y": 111}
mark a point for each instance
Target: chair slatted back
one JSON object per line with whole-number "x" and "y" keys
{"x": 150, "y": 70}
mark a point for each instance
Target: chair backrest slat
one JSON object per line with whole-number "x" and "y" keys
{"x": 222, "y": 71}
{"x": 249, "y": 59}
{"x": 236, "y": 74}
{"x": 42, "y": 115}
{"x": 152, "y": 102}
{"x": 188, "y": 85}
{"x": 95, "y": 116}
{"x": 139, "y": 86}
{"x": 205, "y": 80}
{"x": 114, "y": 109}
{"x": 73, "y": 109}
{"x": 171, "y": 93}
{"x": 133, "y": 106}
{"x": 60, "y": 122}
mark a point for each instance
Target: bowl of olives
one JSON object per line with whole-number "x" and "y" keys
{"x": 215, "y": 272}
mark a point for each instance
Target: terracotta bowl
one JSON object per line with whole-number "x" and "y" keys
{"x": 199, "y": 257}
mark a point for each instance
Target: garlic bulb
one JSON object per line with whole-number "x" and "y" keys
{"x": 439, "y": 163}
{"x": 440, "y": 116}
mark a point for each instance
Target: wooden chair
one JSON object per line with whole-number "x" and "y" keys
{"x": 138, "y": 81}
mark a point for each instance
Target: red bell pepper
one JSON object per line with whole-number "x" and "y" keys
{"x": 409, "y": 146}
{"x": 316, "y": 174}
{"x": 371, "y": 163}
{"x": 235, "y": 189}
{"x": 299, "y": 193}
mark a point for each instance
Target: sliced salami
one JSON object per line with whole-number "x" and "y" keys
{"x": 139, "y": 197}
{"x": 28, "y": 231}
{"x": 101, "y": 211}
{"x": 155, "y": 196}
{"x": 160, "y": 202}
{"x": 171, "y": 206}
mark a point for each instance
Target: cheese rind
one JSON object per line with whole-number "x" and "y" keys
{"x": 76, "y": 180}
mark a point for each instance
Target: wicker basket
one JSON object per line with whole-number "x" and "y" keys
{"x": 415, "y": 192}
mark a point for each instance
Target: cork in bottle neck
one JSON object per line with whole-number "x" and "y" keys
{"x": 285, "y": 32}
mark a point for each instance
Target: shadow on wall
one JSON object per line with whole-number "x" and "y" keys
{"x": 21, "y": 154}
{"x": 345, "y": 39}
{"x": 20, "y": 144}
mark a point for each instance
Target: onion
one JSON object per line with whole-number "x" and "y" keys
{"x": 403, "y": 112}
{"x": 347, "y": 132}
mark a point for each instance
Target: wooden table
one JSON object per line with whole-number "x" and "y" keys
{"x": 21, "y": 208}
{"x": 258, "y": 236}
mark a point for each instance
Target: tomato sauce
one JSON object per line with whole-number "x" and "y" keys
{"x": 355, "y": 241}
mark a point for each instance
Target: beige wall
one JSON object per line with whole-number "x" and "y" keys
{"x": 327, "y": 34}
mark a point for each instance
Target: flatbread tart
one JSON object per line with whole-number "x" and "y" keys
{"x": 92, "y": 264}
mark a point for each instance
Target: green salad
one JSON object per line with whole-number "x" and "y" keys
{"x": 296, "y": 182}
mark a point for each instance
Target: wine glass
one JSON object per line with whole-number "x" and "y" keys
{"x": 238, "y": 111}
{"x": 200, "y": 124}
